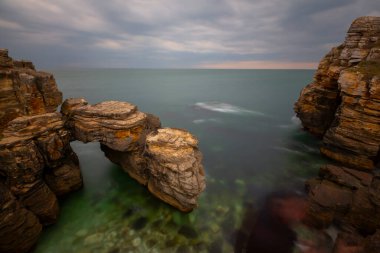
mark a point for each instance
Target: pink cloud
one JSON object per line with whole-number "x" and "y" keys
{"x": 260, "y": 65}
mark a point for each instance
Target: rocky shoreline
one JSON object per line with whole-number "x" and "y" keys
{"x": 37, "y": 163}
{"x": 342, "y": 106}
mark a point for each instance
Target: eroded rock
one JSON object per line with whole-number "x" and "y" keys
{"x": 118, "y": 125}
{"x": 24, "y": 91}
{"x": 166, "y": 160}
{"x": 31, "y": 146}
{"x": 19, "y": 227}
{"x": 342, "y": 106}
{"x": 37, "y": 163}
{"x": 177, "y": 175}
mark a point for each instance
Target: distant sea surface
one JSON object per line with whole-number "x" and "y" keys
{"x": 251, "y": 141}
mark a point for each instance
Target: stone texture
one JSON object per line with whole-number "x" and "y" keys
{"x": 37, "y": 163}
{"x": 166, "y": 160}
{"x": 19, "y": 228}
{"x": 342, "y": 106}
{"x": 177, "y": 175}
{"x": 36, "y": 160}
{"x": 32, "y": 146}
{"x": 24, "y": 91}
{"x": 118, "y": 125}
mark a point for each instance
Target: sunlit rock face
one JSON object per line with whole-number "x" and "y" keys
{"x": 176, "y": 172}
{"x": 115, "y": 124}
{"x": 166, "y": 160}
{"x": 342, "y": 106}
{"x": 25, "y": 91}
{"x": 37, "y": 163}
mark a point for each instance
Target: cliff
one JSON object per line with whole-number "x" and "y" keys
{"x": 342, "y": 106}
{"x": 37, "y": 163}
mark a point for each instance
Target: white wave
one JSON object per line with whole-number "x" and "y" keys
{"x": 285, "y": 126}
{"x": 226, "y": 108}
{"x": 288, "y": 150}
{"x": 200, "y": 121}
{"x": 310, "y": 149}
{"x": 296, "y": 120}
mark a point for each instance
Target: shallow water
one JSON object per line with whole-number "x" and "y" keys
{"x": 251, "y": 142}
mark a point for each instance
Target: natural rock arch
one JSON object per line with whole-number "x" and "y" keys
{"x": 37, "y": 163}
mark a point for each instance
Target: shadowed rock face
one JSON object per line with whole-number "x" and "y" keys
{"x": 19, "y": 228}
{"x": 37, "y": 163}
{"x": 342, "y": 106}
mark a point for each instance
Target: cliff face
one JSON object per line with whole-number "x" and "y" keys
{"x": 37, "y": 163}
{"x": 24, "y": 91}
{"x": 342, "y": 106}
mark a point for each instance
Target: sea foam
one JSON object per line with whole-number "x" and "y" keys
{"x": 226, "y": 108}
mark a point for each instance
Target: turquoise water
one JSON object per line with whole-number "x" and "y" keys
{"x": 251, "y": 142}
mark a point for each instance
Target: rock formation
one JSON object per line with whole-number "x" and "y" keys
{"x": 37, "y": 163}
{"x": 24, "y": 91}
{"x": 166, "y": 160}
{"x": 342, "y": 106}
{"x": 36, "y": 160}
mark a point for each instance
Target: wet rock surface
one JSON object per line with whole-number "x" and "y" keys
{"x": 342, "y": 106}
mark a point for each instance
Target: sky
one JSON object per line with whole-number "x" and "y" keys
{"x": 177, "y": 34}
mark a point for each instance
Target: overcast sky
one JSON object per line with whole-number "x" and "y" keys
{"x": 177, "y": 34}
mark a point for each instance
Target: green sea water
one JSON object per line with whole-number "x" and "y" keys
{"x": 252, "y": 145}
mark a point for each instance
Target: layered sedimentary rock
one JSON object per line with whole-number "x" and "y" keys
{"x": 35, "y": 147}
{"x": 19, "y": 227}
{"x": 118, "y": 125}
{"x": 25, "y": 91}
{"x": 166, "y": 160}
{"x": 176, "y": 171}
{"x": 37, "y": 163}
{"x": 342, "y": 106}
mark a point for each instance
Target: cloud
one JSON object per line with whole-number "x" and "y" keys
{"x": 171, "y": 33}
{"x": 260, "y": 65}
{"x": 10, "y": 25}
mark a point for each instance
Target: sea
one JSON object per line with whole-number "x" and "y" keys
{"x": 252, "y": 145}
